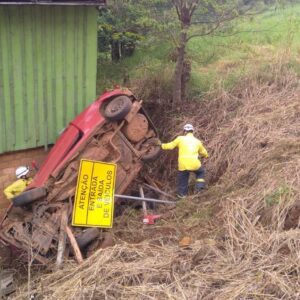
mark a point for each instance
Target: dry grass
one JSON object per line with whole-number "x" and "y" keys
{"x": 253, "y": 136}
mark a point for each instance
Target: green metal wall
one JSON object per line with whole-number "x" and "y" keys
{"x": 48, "y": 63}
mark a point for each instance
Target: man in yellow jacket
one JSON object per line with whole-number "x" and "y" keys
{"x": 20, "y": 185}
{"x": 190, "y": 148}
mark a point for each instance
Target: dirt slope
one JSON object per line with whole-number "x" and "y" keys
{"x": 245, "y": 228}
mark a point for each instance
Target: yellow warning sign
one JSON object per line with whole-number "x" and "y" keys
{"x": 94, "y": 199}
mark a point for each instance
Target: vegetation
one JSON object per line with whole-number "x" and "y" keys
{"x": 243, "y": 230}
{"x": 242, "y": 233}
{"x": 218, "y": 60}
{"x": 196, "y": 19}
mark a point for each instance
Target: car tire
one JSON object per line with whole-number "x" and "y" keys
{"x": 154, "y": 151}
{"x": 87, "y": 236}
{"x": 117, "y": 108}
{"x": 29, "y": 196}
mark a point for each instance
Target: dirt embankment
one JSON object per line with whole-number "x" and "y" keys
{"x": 244, "y": 228}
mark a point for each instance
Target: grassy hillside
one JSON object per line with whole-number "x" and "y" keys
{"x": 217, "y": 61}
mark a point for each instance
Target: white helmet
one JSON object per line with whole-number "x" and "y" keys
{"x": 21, "y": 171}
{"x": 188, "y": 127}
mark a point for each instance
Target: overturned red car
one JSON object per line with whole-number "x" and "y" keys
{"x": 114, "y": 128}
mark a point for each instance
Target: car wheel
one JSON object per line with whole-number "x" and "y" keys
{"x": 117, "y": 108}
{"x": 87, "y": 236}
{"x": 29, "y": 196}
{"x": 153, "y": 150}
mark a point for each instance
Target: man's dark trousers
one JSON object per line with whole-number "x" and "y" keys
{"x": 183, "y": 181}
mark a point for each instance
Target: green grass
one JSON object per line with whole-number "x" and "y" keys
{"x": 283, "y": 192}
{"x": 251, "y": 42}
{"x": 272, "y": 30}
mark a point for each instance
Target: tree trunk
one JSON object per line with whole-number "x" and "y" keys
{"x": 185, "y": 77}
{"x": 115, "y": 51}
{"x": 177, "y": 83}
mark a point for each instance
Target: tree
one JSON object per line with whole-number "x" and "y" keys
{"x": 123, "y": 23}
{"x": 126, "y": 22}
{"x": 199, "y": 18}
{"x": 117, "y": 32}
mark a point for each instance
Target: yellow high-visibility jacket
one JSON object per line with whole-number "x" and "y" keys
{"x": 189, "y": 150}
{"x": 16, "y": 188}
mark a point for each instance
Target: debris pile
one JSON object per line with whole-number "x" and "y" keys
{"x": 102, "y": 151}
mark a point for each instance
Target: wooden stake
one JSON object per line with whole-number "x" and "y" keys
{"x": 62, "y": 237}
{"x": 74, "y": 245}
{"x": 144, "y": 202}
{"x": 155, "y": 189}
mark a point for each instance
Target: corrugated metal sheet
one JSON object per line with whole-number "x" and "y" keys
{"x": 48, "y": 68}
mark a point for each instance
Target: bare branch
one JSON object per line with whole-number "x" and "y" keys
{"x": 177, "y": 9}
{"x": 244, "y": 31}
{"x": 206, "y": 33}
{"x": 216, "y": 18}
{"x": 227, "y": 16}
{"x": 193, "y": 7}
{"x": 234, "y": 33}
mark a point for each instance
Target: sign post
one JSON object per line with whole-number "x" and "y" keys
{"x": 94, "y": 198}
